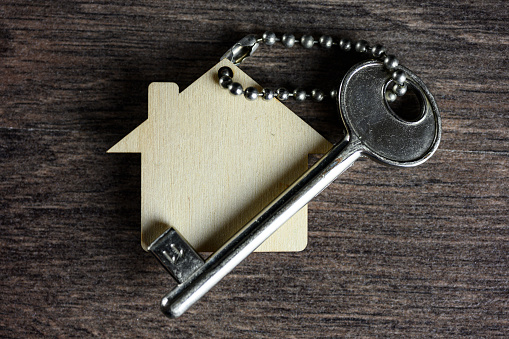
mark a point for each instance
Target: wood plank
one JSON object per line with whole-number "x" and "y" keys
{"x": 392, "y": 252}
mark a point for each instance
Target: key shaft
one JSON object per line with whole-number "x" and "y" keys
{"x": 254, "y": 233}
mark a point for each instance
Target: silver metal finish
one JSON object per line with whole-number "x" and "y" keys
{"x": 288, "y": 40}
{"x": 400, "y": 90}
{"x": 269, "y": 38}
{"x": 235, "y": 88}
{"x": 283, "y": 94}
{"x": 242, "y": 49}
{"x": 225, "y": 81}
{"x": 268, "y": 94}
{"x": 377, "y": 51}
{"x": 225, "y": 71}
{"x": 345, "y": 45}
{"x": 307, "y": 41}
{"x": 248, "y": 45}
{"x": 386, "y": 137}
{"x": 317, "y": 95}
{"x": 390, "y": 96}
{"x": 251, "y": 93}
{"x": 176, "y": 255}
{"x": 399, "y": 77}
{"x": 334, "y": 93}
{"x": 361, "y": 46}
{"x": 326, "y": 41}
{"x": 373, "y": 130}
{"x": 299, "y": 94}
{"x": 391, "y": 62}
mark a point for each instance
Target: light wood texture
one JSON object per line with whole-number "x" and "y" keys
{"x": 211, "y": 161}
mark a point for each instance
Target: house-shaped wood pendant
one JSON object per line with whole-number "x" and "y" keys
{"x": 211, "y": 161}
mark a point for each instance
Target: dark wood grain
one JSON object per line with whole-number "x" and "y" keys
{"x": 392, "y": 252}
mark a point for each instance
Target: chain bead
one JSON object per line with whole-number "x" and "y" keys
{"x": 378, "y": 50}
{"x": 317, "y": 95}
{"x": 333, "y": 93}
{"x": 225, "y": 81}
{"x": 390, "y": 62}
{"x": 361, "y": 46}
{"x": 268, "y": 94}
{"x": 235, "y": 88}
{"x": 345, "y": 45}
{"x": 399, "y": 77}
{"x": 288, "y": 40}
{"x": 307, "y": 41}
{"x": 326, "y": 41}
{"x": 269, "y": 38}
{"x": 283, "y": 94}
{"x": 299, "y": 94}
{"x": 225, "y": 70}
{"x": 390, "y": 96}
{"x": 400, "y": 90}
{"x": 251, "y": 93}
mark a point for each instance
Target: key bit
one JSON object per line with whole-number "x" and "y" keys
{"x": 176, "y": 255}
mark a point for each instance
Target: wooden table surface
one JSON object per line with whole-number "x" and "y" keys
{"x": 392, "y": 252}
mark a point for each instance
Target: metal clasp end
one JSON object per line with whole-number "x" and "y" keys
{"x": 242, "y": 49}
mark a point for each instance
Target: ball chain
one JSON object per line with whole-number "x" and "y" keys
{"x": 326, "y": 42}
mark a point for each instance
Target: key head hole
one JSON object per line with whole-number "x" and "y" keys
{"x": 409, "y": 107}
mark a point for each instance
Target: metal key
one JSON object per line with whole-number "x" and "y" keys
{"x": 373, "y": 130}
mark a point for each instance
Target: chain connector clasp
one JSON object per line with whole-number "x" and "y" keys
{"x": 242, "y": 49}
